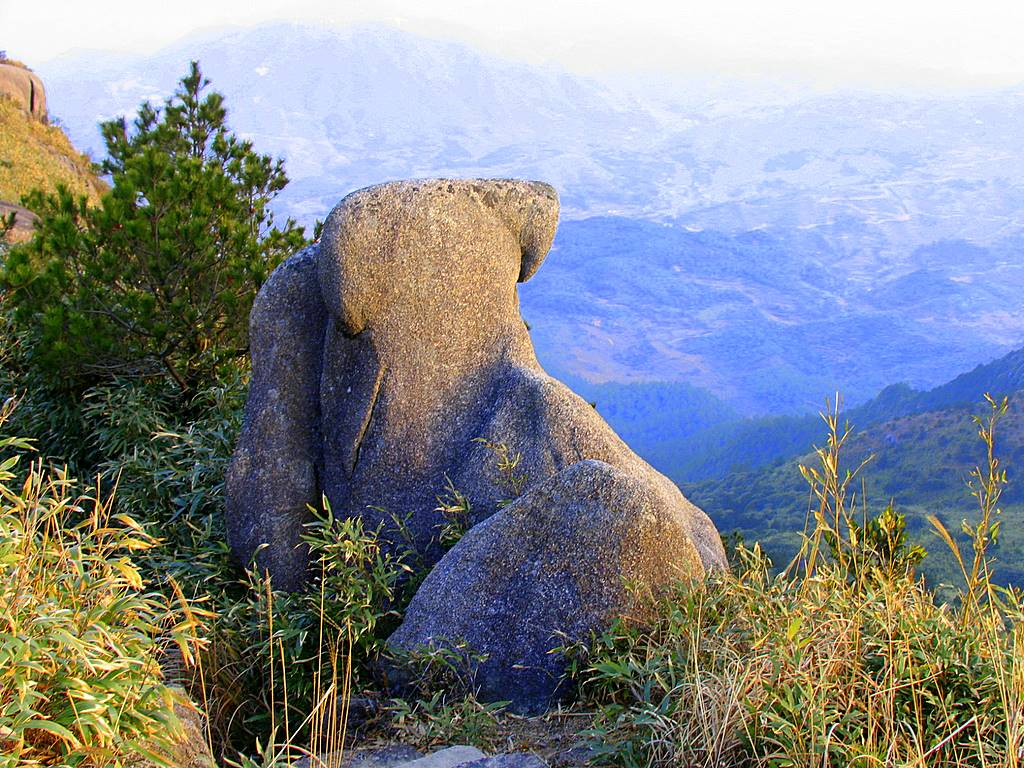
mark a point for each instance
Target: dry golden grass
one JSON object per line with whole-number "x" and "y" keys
{"x": 38, "y": 156}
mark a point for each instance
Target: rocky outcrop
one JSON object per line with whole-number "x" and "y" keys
{"x": 390, "y": 360}
{"x": 276, "y": 473}
{"x": 398, "y": 756}
{"x": 588, "y": 545}
{"x": 24, "y": 221}
{"x": 25, "y": 88}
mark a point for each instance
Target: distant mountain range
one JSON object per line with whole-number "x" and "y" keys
{"x": 738, "y": 446}
{"x": 769, "y": 321}
{"x": 767, "y": 248}
{"x": 356, "y": 106}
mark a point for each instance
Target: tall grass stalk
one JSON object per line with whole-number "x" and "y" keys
{"x": 322, "y": 734}
{"x": 81, "y": 635}
{"x": 843, "y": 659}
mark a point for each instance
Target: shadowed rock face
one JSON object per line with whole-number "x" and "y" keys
{"x": 25, "y": 88}
{"x": 391, "y": 358}
{"x": 275, "y": 472}
{"x": 550, "y": 569}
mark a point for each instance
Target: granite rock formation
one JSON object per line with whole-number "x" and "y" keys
{"x": 389, "y": 361}
{"x": 25, "y": 88}
{"x": 592, "y": 543}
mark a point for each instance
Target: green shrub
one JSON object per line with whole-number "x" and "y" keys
{"x": 159, "y": 277}
{"x": 81, "y": 636}
{"x": 442, "y": 718}
{"x": 44, "y": 413}
{"x": 169, "y": 468}
{"x": 271, "y": 657}
{"x": 439, "y": 705}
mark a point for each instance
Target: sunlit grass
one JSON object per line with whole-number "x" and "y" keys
{"x": 38, "y": 156}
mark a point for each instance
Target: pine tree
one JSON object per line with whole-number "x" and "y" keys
{"x": 159, "y": 278}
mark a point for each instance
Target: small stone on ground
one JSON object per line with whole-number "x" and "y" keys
{"x": 514, "y": 760}
{"x": 378, "y": 757}
{"x": 447, "y": 758}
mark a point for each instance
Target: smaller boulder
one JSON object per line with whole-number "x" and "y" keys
{"x": 392, "y": 756}
{"x": 590, "y": 544}
{"x": 24, "y": 221}
{"x": 450, "y": 757}
{"x": 25, "y": 88}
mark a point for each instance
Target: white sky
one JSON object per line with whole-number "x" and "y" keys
{"x": 882, "y": 42}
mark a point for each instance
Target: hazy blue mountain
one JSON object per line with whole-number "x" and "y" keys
{"x": 768, "y": 247}
{"x": 371, "y": 103}
{"x": 355, "y": 106}
{"x": 731, "y": 447}
{"x": 769, "y": 321}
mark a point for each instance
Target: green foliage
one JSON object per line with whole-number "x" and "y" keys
{"x": 441, "y": 719}
{"x": 454, "y": 506}
{"x": 986, "y": 485}
{"x": 81, "y": 636}
{"x": 440, "y": 705}
{"x": 507, "y": 463}
{"x": 52, "y": 421}
{"x": 749, "y": 670}
{"x": 877, "y": 546}
{"x": 883, "y": 545}
{"x": 161, "y": 275}
{"x": 272, "y": 657}
{"x": 358, "y": 584}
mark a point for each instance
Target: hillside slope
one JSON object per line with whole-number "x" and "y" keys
{"x": 921, "y": 461}
{"x": 748, "y": 445}
{"x": 34, "y": 155}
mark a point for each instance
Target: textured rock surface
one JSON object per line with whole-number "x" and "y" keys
{"x": 550, "y": 569}
{"x": 447, "y": 758}
{"x": 383, "y": 353}
{"x": 392, "y": 358}
{"x": 511, "y": 760}
{"x": 400, "y": 756}
{"x": 275, "y": 472}
{"x": 377, "y": 757}
{"x": 24, "y": 221}
{"x": 25, "y": 88}
{"x": 420, "y": 281}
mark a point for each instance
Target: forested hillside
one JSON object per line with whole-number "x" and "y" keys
{"x": 922, "y": 462}
{"x": 692, "y": 437}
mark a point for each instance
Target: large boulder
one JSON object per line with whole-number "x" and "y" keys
{"x": 390, "y": 360}
{"x": 25, "y": 88}
{"x": 590, "y": 544}
{"x": 275, "y": 473}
